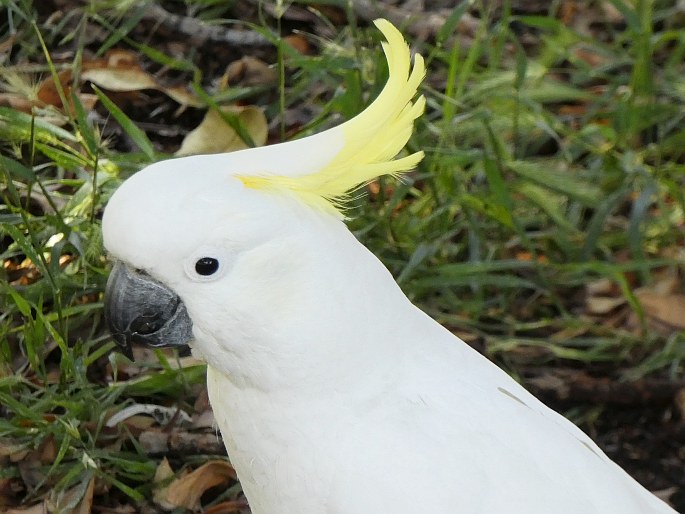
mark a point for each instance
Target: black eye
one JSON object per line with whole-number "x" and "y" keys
{"x": 206, "y": 266}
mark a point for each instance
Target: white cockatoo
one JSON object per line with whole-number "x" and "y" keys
{"x": 334, "y": 394}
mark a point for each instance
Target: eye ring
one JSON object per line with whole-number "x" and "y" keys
{"x": 206, "y": 266}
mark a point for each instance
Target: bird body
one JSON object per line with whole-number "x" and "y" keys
{"x": 422, "y": 424}
{"x": 333, "y": 392}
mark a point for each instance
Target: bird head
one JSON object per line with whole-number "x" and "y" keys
{"x": 211, "y": 248}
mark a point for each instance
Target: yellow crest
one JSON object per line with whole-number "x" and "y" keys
{"x": 370, "y": 140}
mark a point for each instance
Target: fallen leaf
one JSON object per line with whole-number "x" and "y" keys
{"x": 602, "y": 286}
{"x": 20, "y": 93}
{"x": 81, "y": 495}
{"x": 668, "y": 309}
{"x": 49, "y": 90}
{"x": 214, "y": 135}
{"x": 162, "y": 479}
{"x": 298, "y": 42}
{"x": 603, "y": 304}
{"x": 249, "y": 71}
{"x": 182, "y": 96}
{"x": 120, "y": 79}
{"x": 119, "y": 71}
{"x": 48, "y": 450}
{"x": 187, "y": 490}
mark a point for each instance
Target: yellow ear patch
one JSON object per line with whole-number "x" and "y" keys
{"x": 371, "y": 139}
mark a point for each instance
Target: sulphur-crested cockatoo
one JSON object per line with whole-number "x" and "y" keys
{"x": 334, "y": 394}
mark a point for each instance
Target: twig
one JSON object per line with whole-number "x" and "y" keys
{"x": 419, "y": 24}
{"x": 200, "y": 32}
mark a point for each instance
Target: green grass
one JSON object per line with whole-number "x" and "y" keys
{"x": 543, "y": 172}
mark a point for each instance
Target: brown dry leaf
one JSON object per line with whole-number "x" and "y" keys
{"x": 181, "y": 96}
{"x": 77, "y": 494}
{"x": 187, "y": 490}
{"x": 120, "y": 79}
{"x": 137, "y": 424}
{"x": 20, "y": 94}
{"x": 49, "y": 91}
{"x": 86, "y": 504}
{"x": 118, "y": 71}
{"x": 214, "y": 135}
{"x": 163, "y": 475}
{"x": 121, "y": 72}
{"x": 299, "y": 43}
{"x": 668, "y": 309}
{"x": 603, "y": 304}
{"x": 602, "y": 286}
{"x": 249, "y": 71}
{"x": 603, "y": 299}
{"x": 48, "y": 450}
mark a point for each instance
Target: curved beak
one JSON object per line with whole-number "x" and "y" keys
{"x": 139, "y": 309}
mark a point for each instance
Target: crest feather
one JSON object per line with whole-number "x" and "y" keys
{"x": 371, "y": 139}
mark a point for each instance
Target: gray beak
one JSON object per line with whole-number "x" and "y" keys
{"x": 139, "y": 309}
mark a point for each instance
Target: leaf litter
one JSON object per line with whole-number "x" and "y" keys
{"x": 163, "y": 102}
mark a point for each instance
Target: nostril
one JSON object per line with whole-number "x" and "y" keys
{"x": 147, "y": 324}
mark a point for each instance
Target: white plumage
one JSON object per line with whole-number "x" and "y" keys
{"x": 334, "y": 394}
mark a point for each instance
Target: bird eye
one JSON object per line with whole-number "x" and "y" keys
{"x": 207, "y": 263}
{"x": 206, "y": 266}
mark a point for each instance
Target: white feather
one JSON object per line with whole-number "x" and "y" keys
{"x": 334, "y": 394}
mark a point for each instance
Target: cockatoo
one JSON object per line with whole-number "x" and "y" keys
{"x": 334, "y": 394}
